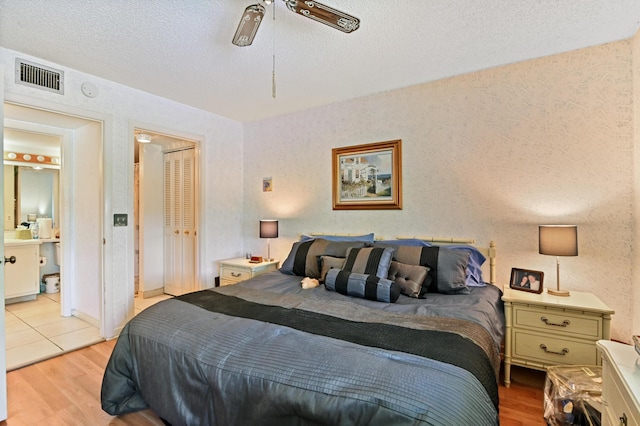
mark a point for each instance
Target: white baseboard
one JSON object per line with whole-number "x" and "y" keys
{"x": 153, "y": 293}
{"x": 116, "y": 332}
{"x": 86, "y": 318}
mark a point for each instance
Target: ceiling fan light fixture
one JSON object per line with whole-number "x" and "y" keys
{"x": 324, "y": 14}
{"x": 143, "y": 138}
{"x": 248, "y": 25}
{"x": 319, "y": 12}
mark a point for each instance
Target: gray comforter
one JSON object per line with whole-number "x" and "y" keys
{"x": 197, "y": 361}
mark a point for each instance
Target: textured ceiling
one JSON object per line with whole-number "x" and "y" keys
{"x": 181, "y": 49}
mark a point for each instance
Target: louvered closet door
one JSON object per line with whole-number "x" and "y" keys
{"x": 188, "y": 241}
{"x": 179, "y": 222}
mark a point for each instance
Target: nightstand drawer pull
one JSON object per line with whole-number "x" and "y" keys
{"x": 563, "y": 352}
{"x": 236, "y": 274}
{"x": 546, "y": 321}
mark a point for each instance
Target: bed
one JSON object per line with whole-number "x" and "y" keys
{"x": 368, "y": 346}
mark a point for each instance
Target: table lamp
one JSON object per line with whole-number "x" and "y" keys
{"x": 269, "y": 229}
{"x": 558, "y": 240}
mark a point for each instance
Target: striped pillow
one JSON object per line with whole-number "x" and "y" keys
{"x": 369, "y": 260}
{"x": 448, "y": 268}
{"x": 304, "y": 257}
{"x": 362, "y": 285}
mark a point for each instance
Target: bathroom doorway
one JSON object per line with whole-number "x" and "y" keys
{"x": 166, "y": 206}
{"x": 78, "y": 155}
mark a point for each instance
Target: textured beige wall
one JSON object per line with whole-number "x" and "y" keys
{"x": 488, "y": 155}
{"x": 122, "y": 107}
{"x": 636, "y": 212}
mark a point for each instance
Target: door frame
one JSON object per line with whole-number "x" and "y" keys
{"x": 3, "y": 330}
{"x": 107, "y": 322}
{"x": 199, "y": 153}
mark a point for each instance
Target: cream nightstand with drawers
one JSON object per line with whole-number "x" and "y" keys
{"x": 543, "y": 330}
{"x": 620, "y": 384}
{"x": 232, "y": 271}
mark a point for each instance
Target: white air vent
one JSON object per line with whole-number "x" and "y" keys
{"x": 36, "y": 75}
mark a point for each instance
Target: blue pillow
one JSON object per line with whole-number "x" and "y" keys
{"x": 367, "y": 238}
{"x": 474, "y": 267}
{"x": 363, "y": 286}
{"x": 407, "y": 242}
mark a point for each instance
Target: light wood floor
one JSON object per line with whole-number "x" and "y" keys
{"x": 66, "y": 391}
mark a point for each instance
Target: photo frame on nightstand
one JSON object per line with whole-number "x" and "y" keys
{"x": 526, "y": 280}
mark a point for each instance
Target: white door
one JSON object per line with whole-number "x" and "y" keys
{"x": 3, "y": 345}
{"x": 179, "y": 222}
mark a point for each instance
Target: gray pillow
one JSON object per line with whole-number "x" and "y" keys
{"x": 329, "y": 262}
{"x": 408, "y": 277}
{"x": 304, "y": 257}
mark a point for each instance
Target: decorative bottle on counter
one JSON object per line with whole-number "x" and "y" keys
{"x": 34, "y": 231}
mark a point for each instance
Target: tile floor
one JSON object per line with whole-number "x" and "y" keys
{"x": 35, "y": 330}
{"x": 140, "y": 304}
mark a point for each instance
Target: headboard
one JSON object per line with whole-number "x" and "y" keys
{"x": 488, "y": 252}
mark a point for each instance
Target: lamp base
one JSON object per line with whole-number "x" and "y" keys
{"x": 562, "y": 293}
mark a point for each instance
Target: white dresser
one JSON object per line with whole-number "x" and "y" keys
{"x": 620, "y": 384}
{"x": 543, "y": 330}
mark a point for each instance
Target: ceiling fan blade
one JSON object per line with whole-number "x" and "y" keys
{"x": 325, "y": 14}
{"x": 248, "y": 25}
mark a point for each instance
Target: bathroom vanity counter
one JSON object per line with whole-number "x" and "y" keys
{"x": 9, "y": 242}
{"x": 17, "y": 242}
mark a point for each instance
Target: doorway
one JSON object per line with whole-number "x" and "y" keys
{"x": 75, "y": 155}
{"x": 166, "y": 206}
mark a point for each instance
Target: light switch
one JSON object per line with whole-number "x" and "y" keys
{"x": 120, "y": 219}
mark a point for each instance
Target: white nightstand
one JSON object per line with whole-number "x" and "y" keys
{"x": 543, "y": 330}
{"x": 232, "y": 271}
{"x": 620, "y": 384}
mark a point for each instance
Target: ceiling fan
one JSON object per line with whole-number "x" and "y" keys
{"x": 252, "y": 17}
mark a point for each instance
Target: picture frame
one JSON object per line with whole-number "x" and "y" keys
{"x": 367, "y": 177}
{"x": 527, "y": 280}
{"x": 267, "y": 184}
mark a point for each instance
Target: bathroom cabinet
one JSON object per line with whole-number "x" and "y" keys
{"x": 22, "y": 278}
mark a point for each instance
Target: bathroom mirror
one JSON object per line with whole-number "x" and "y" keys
{"x": 30, "y": 192}
{"x": 31, "y": 176}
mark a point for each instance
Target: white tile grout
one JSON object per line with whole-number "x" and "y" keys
{"x": 42, "y": 316}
